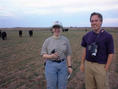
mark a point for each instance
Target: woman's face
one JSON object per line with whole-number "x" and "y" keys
{"x": 56, "y": 31}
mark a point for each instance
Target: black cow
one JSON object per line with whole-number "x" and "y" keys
{"x": 65, "y": 30}
{"x": 30, "y": 33}
{"x": 85, "y": 29}
{"x": 4, "y": 35}
{"x": 20, "y": 33}
{"x": 0, "y": 33}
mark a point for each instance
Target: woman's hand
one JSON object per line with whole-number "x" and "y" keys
{"x": 51, "y": 56}
{"x": 54, "y": 55}
{"x": 70, "y": 70}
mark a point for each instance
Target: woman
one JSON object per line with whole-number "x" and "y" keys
{"x": 56, "y": 51}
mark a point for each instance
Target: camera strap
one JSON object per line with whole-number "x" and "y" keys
{"x": 99, "y": 34}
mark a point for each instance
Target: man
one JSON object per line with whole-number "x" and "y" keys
{"x": 98, "y": 49}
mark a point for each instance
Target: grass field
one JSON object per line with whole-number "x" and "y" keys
{"x": 21, "y": 66}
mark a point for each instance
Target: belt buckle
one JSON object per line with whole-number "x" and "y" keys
{"x": 58, "y": 61}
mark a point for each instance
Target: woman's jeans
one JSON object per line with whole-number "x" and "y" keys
{"x": 56, "y": 74}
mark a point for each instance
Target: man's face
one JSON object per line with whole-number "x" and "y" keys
{"x": 96, "y": 22}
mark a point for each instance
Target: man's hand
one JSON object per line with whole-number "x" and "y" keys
{"x": 82, "y": 67}
{"x": 106, "y": 67}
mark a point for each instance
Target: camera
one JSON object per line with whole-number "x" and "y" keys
{"x": 93, "y": 49}
{"x": 53, "y": 51}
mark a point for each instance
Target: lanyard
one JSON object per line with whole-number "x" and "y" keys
{"x": 99, "y": 34}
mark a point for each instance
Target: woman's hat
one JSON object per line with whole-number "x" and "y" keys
{"x": 57, "y": 24}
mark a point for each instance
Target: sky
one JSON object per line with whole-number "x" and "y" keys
{"x": 43, "y": 13}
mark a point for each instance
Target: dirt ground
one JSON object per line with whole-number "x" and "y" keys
{"x": 21, "y": 66}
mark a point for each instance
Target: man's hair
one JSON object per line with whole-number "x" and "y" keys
{"x": 98, "y": 14}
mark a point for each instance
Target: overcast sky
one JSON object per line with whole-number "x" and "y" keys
{"x": 42, "y": 13}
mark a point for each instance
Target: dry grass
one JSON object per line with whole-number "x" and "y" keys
{"x": 21, "y": 66}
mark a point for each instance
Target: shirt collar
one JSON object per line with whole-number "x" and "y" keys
{"x": 56, "y": 37}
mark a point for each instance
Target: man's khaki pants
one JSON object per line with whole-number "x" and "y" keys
{"x": 96, "y": 76}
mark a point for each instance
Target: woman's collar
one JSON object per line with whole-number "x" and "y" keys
{"x": 56, "y": 37}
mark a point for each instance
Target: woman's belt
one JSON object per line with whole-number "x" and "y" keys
{"x": 58, "y": 61}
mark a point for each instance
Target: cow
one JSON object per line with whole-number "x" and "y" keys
{"x": 4, "y": 35}
{"x": 30, "y": 33}
{"x": 85, "y": 29}
{"x": 0, "y": 33}
{"x": 65, "y": 30}
{"x": 20, "y": 33}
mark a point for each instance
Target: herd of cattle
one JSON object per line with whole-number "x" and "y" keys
{"x": 3, "y": 34}
{"x": 30, "y": 33}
